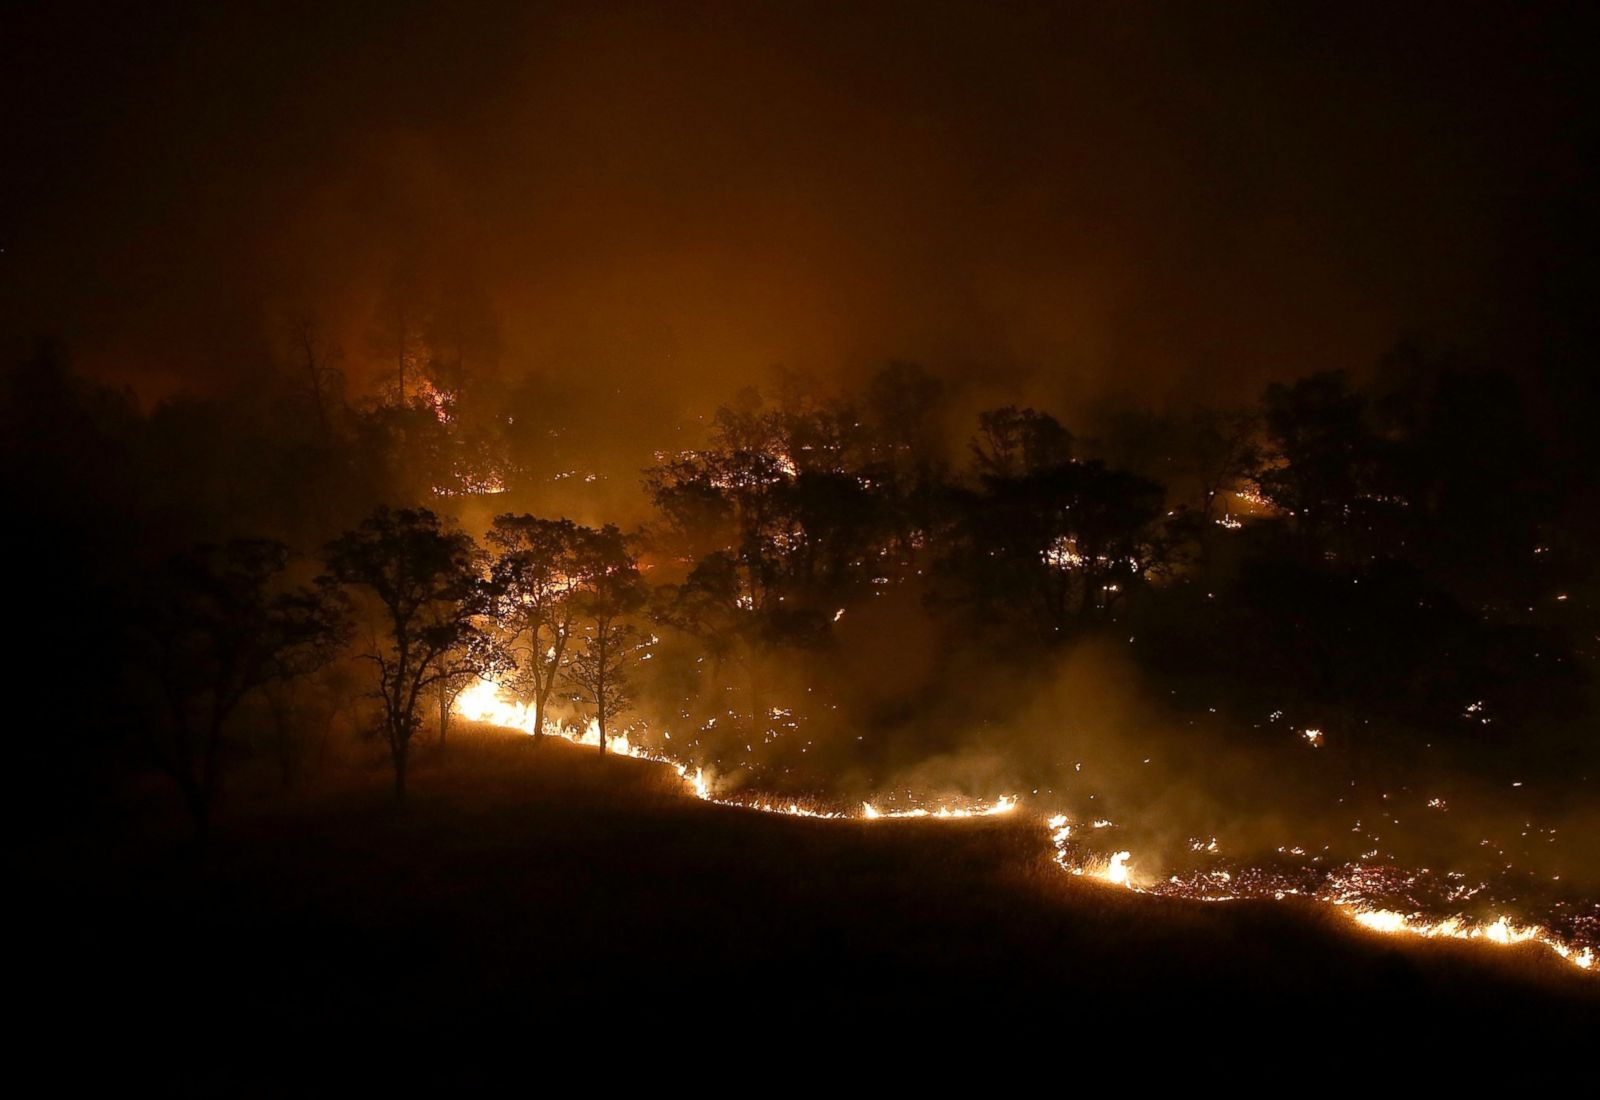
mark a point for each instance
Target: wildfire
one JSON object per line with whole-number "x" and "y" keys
{"x": 485, "y": 702}
{"x": 1500, "y": 931}
{"x": 1063, "y": 554}
{"x": 1345, "y": 889}
{"x": 469, "y": 485}
{"x": 1003, "y": 805}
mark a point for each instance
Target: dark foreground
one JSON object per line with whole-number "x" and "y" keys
{"x": 534, "y": 907}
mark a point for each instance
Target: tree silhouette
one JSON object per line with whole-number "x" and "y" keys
{"x": 542, "y": 568}
{"x": 1328, "y": 464}
{"x": 209, "y": 629}
{"x": 611, "y": 642}
{"x": 1012, "y": 442}
{"x": 425, "y": 581}
{"x": 1048, "y": 541}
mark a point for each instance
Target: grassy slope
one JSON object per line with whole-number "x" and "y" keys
{"x": 532, "y": 899}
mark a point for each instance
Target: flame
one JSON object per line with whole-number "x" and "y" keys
{"x": 1342, "y": 893}
{"x": 486, "y": 702}
{"x": 1500, "y": 931}
{"x": 1002, "y": 805}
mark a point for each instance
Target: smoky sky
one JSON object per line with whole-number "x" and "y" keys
{"x": 1173, "y": 201}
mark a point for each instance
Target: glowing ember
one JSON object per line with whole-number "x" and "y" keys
{"x": 1345, "y": 888}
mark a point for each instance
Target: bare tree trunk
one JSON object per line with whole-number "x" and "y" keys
{"x": 444, "y": 712}
{"x": 314, "y": 373}
{"x": 600, "y": 686}
{"x": 398, "y": 751}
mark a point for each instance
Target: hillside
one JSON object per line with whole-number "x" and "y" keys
{"x": 534, "y": 901}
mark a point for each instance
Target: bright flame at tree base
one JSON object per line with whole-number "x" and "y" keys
{"x": 484, "y": 702}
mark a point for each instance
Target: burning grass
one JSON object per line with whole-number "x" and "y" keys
{"x": 1379, "y": 897}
